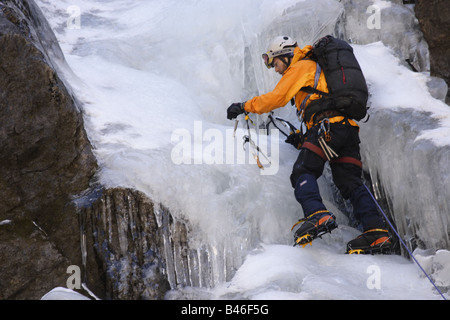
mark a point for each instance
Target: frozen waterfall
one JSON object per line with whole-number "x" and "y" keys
{"x": 155, "y": 79}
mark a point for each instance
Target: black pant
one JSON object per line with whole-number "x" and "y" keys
{"x": 346, "y": 176}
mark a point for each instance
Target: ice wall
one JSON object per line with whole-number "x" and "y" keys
{"x": 405, "y": 146}
{"x": 165, "y": 67}
{"x": 390, "y": 22}
{"x": 413, "y": 173}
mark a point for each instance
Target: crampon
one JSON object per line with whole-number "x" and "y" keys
{"x": 313, "y": 227}
{"x": 375, "y": 241}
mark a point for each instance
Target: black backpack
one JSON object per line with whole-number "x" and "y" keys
{"x": 347, "y": 86}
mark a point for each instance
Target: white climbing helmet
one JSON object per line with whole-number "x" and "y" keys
{"x": 280, "y": 46}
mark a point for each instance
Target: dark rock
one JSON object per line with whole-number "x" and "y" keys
{"x": 130, "y": 245}
{"x": 434, "y": 20}
{"x": 45, "y": 157}
{"x": 31, "y": 264}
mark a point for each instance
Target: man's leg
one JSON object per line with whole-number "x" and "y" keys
{"x": 318, "y": 220}
{"x": 307, "y": 169}
{"x": 375, "y": 238}
{"x": 347, "y": 176}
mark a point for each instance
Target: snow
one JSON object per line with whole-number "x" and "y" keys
{"x": 60, "y": 293}
{"x": 319, "y": 273}
{"x": 155, "y": 79}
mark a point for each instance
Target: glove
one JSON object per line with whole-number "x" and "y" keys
{"x": 296, "y": 139}
{"x": 234, "y": 110}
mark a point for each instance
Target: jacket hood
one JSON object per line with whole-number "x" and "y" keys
{"x": 299, "y": 53}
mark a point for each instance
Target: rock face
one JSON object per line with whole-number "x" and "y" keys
{"x": 434, "y": 20}
{"x": 45, "y": 158}
{"x": 129, "y": 245}
{"x": 50, "y": 217}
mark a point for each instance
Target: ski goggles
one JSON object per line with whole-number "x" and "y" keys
{"x": 267, "y": 60}
{"x": 269, "y": 56}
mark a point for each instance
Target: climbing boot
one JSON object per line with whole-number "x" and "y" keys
{"x": 371, "y": 242}
{"x": 314, "y": 226}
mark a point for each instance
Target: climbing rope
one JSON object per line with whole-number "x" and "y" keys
{"x": 404, "y": 245}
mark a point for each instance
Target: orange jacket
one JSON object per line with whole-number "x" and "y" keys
{"x": 299, "y": 74}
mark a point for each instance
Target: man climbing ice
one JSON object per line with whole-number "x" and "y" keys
{"x": 328, "y": 99}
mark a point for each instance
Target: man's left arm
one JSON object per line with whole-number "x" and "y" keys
{"x": 288, "y": 86}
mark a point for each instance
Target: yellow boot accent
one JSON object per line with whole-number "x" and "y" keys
{"x": 304, "y": 240}
{"x": 297, "y": 223}
{"x": 371, "y": 230}
{"x": 356, "y": 251}
{"x": 304, "y": 219}
{"x": 304, "y": 245}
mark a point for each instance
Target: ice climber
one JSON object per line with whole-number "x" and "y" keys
{"x": 341, "y": 135}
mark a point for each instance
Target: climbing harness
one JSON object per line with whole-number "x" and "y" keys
{"x": 324, "y": 137}
{"x": 325, "y": 151}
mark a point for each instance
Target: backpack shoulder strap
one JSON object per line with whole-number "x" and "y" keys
{"x": 311, "y": 90}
